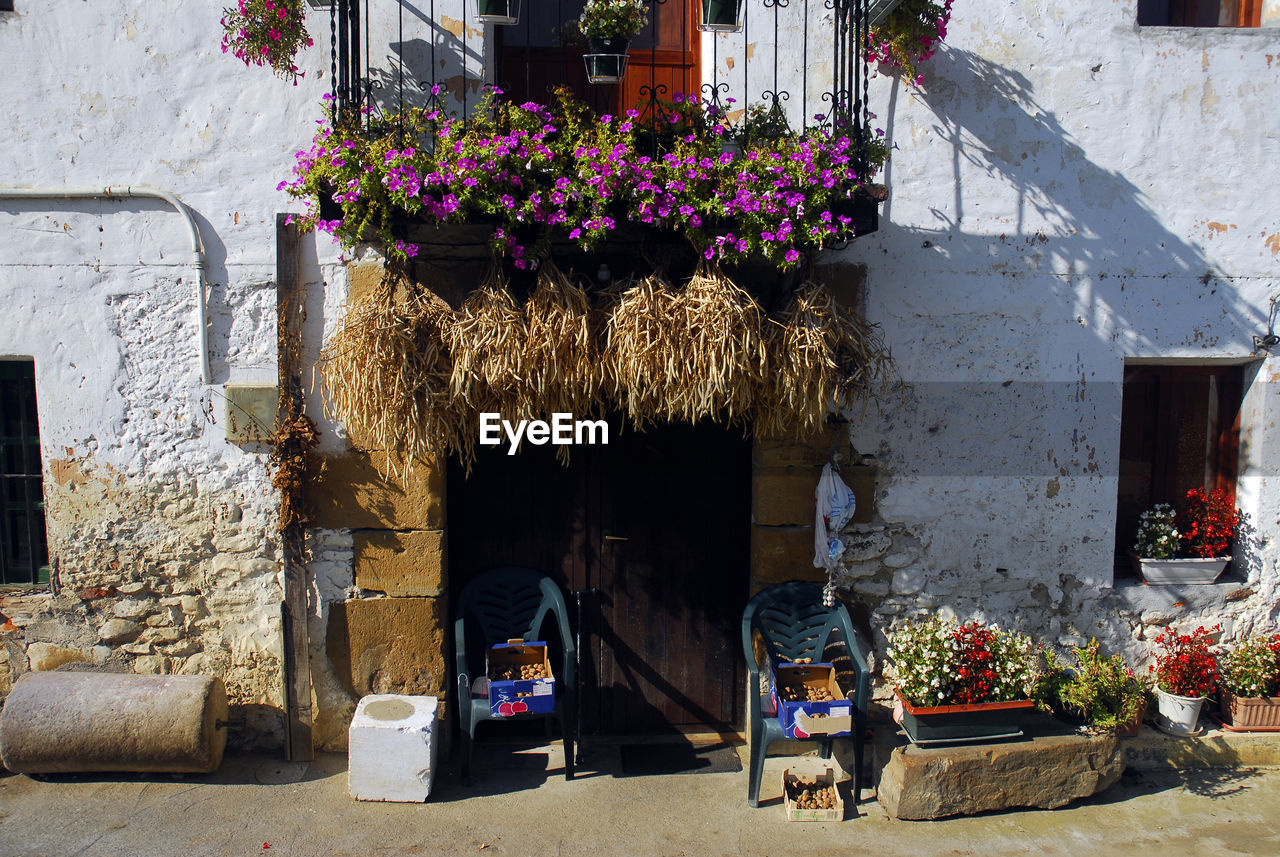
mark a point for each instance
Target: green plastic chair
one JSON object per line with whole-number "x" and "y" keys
{"x": 794, "y": 624}
{"x": 506, "y": 604}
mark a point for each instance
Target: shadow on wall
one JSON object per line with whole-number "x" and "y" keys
{"x": 1099, "y": 236}
{"x": 452, "y": 58}
{"x": 1020, "y": 332}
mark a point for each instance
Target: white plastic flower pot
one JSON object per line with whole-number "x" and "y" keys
{"x": 1177, "y": 715}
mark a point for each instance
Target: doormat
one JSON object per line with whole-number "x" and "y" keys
{"x": 640, "y": 760}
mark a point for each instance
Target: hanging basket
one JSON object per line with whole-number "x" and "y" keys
{"x": 501, "y": 12}
{"x": 721, "y": 16}
{"x": 607, "y": 60}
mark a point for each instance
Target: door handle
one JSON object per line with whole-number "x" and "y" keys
{"x": 609, "y": 538}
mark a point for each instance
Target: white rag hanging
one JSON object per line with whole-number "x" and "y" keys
{"x": 836, "y": 505}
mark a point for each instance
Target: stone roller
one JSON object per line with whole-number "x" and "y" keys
{"x": 83, "y": 722}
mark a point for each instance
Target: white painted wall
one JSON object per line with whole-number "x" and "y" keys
{"x": 1068, "y": 191}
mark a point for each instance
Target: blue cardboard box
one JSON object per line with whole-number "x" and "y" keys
{"x": 802, "y": 719}
{"x": 511, "y": 696}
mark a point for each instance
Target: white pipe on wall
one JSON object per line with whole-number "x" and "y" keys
{"x": 197, "y": 247}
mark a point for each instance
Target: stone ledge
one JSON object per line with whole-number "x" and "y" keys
{"x": 1050, "y": 768}
{"x": 1153, "y": 750}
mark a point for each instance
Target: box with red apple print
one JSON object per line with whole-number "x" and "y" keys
{"x": 520, "y": 679}
{"x": 809, "y": 702}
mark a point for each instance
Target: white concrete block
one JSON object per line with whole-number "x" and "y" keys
{"x": 393, "y": 748}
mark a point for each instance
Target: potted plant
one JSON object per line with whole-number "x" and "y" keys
{"x": 908, "y": 36}
{"x": 721, "y": 16}
{"x": 1103, "y": 692}
{"x": 504, "y": 13}
{"x": 1250, "y": 694}
{"x": 609, "y": 26}
{"x": 1188, "y": 545}
{"x": 960, "y": 682}
{"x": 1185, "y": 672}
{"x": 268, "y": 33}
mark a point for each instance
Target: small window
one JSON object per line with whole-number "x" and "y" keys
{"x": 1179, "y": 429}
{"x": 24, "y": 554}
{"x": 6, "y": 5}
{"x": 1199, "y": 13}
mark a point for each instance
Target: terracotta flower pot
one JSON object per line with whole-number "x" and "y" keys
{"x": 1251, "y": 713}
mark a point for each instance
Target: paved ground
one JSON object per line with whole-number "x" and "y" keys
{"x": 524, "y": 807}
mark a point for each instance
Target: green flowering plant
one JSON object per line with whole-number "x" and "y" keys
{"x": 613, "y": 19}
{"x": 267, "y": 33}
{"x": 1208, "y": 521}
{"x": 1205, "y": 526}
{"x": 1184, "y": 666}
{"x": 1157, "y": 533}
{"x": 938, "y": 662}
{"x": 1102, "y": 690}
{"x": 1252, "y": 667}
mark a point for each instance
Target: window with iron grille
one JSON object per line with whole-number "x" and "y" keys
{"x": 24, "y": 553}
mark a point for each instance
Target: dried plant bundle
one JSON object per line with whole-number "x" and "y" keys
{"x": 823, "y": 358}
{"x": 561, "y": 351}
{"x": 487, "y": 343}
{"x": 642, "y": 347}
{"x": 387, "y": 370}
{"x": 723, "y": 343}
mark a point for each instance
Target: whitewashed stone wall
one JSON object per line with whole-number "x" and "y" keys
{"x": 161, "y": 531}
{"x": 1068, "y": 191}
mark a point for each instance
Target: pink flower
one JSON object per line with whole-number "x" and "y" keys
{"x": 274, "y": 34}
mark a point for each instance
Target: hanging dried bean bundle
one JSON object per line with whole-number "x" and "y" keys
{"x": 823, "y": 358}
{"x": 386, "y": 372}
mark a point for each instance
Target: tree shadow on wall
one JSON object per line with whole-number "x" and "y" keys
{"x": 1088, "y": 230}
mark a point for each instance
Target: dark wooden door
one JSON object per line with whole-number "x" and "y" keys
{"x": 653, "y": 531}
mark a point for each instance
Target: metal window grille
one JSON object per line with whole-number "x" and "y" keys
{"x": 24, "y": 552}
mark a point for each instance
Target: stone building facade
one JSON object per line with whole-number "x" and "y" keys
{"x": 1071, "y": 195}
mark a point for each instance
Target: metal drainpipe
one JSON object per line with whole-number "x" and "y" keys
{"x": 197, "y": 247}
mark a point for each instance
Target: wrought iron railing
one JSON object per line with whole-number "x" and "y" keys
{"x": 829, "y": 83}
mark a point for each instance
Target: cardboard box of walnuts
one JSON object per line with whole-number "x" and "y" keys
{"x": 808, "y": 701}
{"x": 810, "y": 794}
{"x": 520, "y": 679}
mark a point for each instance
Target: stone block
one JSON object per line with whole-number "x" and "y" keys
{"x": 400, "y": 562}
{"x": 119, "y": 631}
{"x": 73, "y": 722}
{"x": 132, "y": 608}
{"x": 349, "y": 492}
{"x": 802, "y": 452}
{"x": 45, "y": 657}
{"x": 388, "y": 645}
{"x": 908, "y": 581}
{"x": 1047, "y": 771}
{"x": 783, "y": 496}
{"x": 780, "y": 554}
{"x": 865, "y": 546}
{"x": 363, "y": 277}
{"x": 393, "y": 748}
